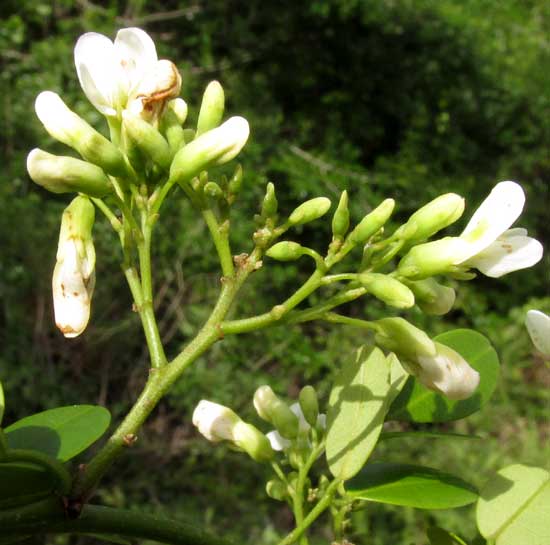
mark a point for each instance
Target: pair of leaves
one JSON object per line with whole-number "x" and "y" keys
{"x": 514, "y": 506}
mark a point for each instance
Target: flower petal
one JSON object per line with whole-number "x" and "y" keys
{"x": 510, "y": 252}
{"x": 497, "y": 212}
{"x": 278, "y": 442}
{"x": 97, "y": 70}
{"x": 538, "y": 326}
{"x": 136, "y": 54}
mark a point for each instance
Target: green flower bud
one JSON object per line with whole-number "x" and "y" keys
{"x": 271, "y": 409}
{"x": 401, "y": 337}
{"x": 212, "y": 107}
{"x": 285, "y": 250}
{"x": 70, "y": 129}
{"x": 432, "y": 258}
{"x": 432, "y": 297}
{"x": 340, "y": 220}
{"x": 74, "y": 277}
{"x": 253, "y": 442}
{"x": 388, "y": 289}
{"x": 188, "y": 135}
{"x": 212, "y": 148}
{"x": 431, "y": 218}
{"x": 179, "y": 107}
{"x": 269, "y": 204}
{"x": 236, "y": 181}
{"x": 276, "y": 490}
{"x": 372, "y": 222}
{"x": 149, "y": 141}
{"x": 60, "y": 174}
{"x": 212, "y": 190}
{"x": 172, "y": 130}
{"x": 309, "y": 405}
{"x": 309, "y": 211}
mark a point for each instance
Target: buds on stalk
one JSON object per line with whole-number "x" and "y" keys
{"x": 431, "y": 218}
{"x": 70, "y": 129}
{"x": 212, "y": 106}
{"x": 372, "y": 222}
{"x": 340, "y": 220}
{"x": 271, "y": 409}
{"x": 309, "y": 211}
{"x": 218, "y": 423}
{"x": 309, "y": 404}
{"x": 73, "y": 277}
{"x": 60, "y": 174}
{"x": 269, "y": 204}
{"x": 432, "y": 297}
{"x": 401, "y": 337}
{"x": 387, "y": 289}
{"x": 212, "y": 148}
{"x": 285, "y": 250}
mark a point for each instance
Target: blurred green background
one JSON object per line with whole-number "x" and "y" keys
{"x": 387, "y": 98}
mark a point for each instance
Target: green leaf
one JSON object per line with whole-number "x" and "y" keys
{"x": 419, "y": 404}
{"x": 438, "y": 536}
{"x": 425, "y": 435}
{"x": 514, "y": 506}
{"x": 357, "y": 407}
{"x": 23, "y": 483}
{"x": 414, "y": 486}
{"x": 61, "y": 433}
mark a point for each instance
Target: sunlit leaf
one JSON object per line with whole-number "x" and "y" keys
{"x": 61, "y": 433}
{"x": 414, "y": 486}
{"x": 419, "y": 404}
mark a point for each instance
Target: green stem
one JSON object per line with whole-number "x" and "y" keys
{"x": 321, "y": 506}
{"x": 51, "y": 464}
{"x": 356, "y": 322}
{"x": 160, "y": 380}
{"x": 221, "y": 242}
{"x": 48, "y": 517}
{"x": 276, "y": 313}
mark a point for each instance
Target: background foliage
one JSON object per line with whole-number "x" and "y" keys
{"x": 399, "y": 98}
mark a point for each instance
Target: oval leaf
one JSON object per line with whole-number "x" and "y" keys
{"x": 23, "y": 483}
{"x": 438, "y": 536}
{"x": 61, "y": 433}
{"x": 357, "y": 408}
{"x": 414, "y": 486}
{"x": 514, "y": 506}
{"x": 417, "y": 403}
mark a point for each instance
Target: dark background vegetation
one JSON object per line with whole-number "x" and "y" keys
{"x": 400, "y": 98}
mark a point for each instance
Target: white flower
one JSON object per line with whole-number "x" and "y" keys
{"x": 447, "y": 372}
{"x": 492, "y": 247}
{"x": 538, "y": 326}
{"x": 126, "y": 73}
{"x": 216, "y": 422}
{"x": 277, "y": 441}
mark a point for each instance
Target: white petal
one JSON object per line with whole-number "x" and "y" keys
{"x": 99, "y": 75}
{"x": 509, "y": 252}
{"x": 136, "y": 54}
{"x": 278, "y": 442}
{"x": 538, "y": 326}
{"x": 497, "y": 212}
{"x": 303, "y": 424}
{"x": 216, "y": 422}
{"x": 56, "y": 117}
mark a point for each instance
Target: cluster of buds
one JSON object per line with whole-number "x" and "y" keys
{"x": 138, "y": 94}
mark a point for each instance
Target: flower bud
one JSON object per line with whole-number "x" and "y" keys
{"x": 538, "y": 327}
{"x": 432, "y": 297}
{"x": 212, "y": 107}
{"x": 158, "y": 86}
{"x": 147, "y": 139}
{"x": 70, "y": 129}
{"x": 388, "y": 289}
{"x": 73, "y": 277}
{"x": 309, "y": 211}
{"x": 340, "y": 220}
{"x": 236, "y": 181}
{"x": 271, "y": 409}
{"x": 212, "y": 190}
{"x": 447, "y": 372}
{"x": 60, "y": 174}
{"x": 432, "y": 258}
{"x": 216, "y": 422}
{"x": 431, "y": 218}
{"x": 253, "y": 442}
{"x": 399, "y": 336}
{"x": 309, "y": 404}
{"x": 372, "y": 222}
{"x": 214, "y": 147}
{"x": 172, "y": 130}
{"x": 179, "y": 107}
{"x": 276, "y": 490}
{"x": 269, "y": 204}
{"x": 285, "y": 250}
